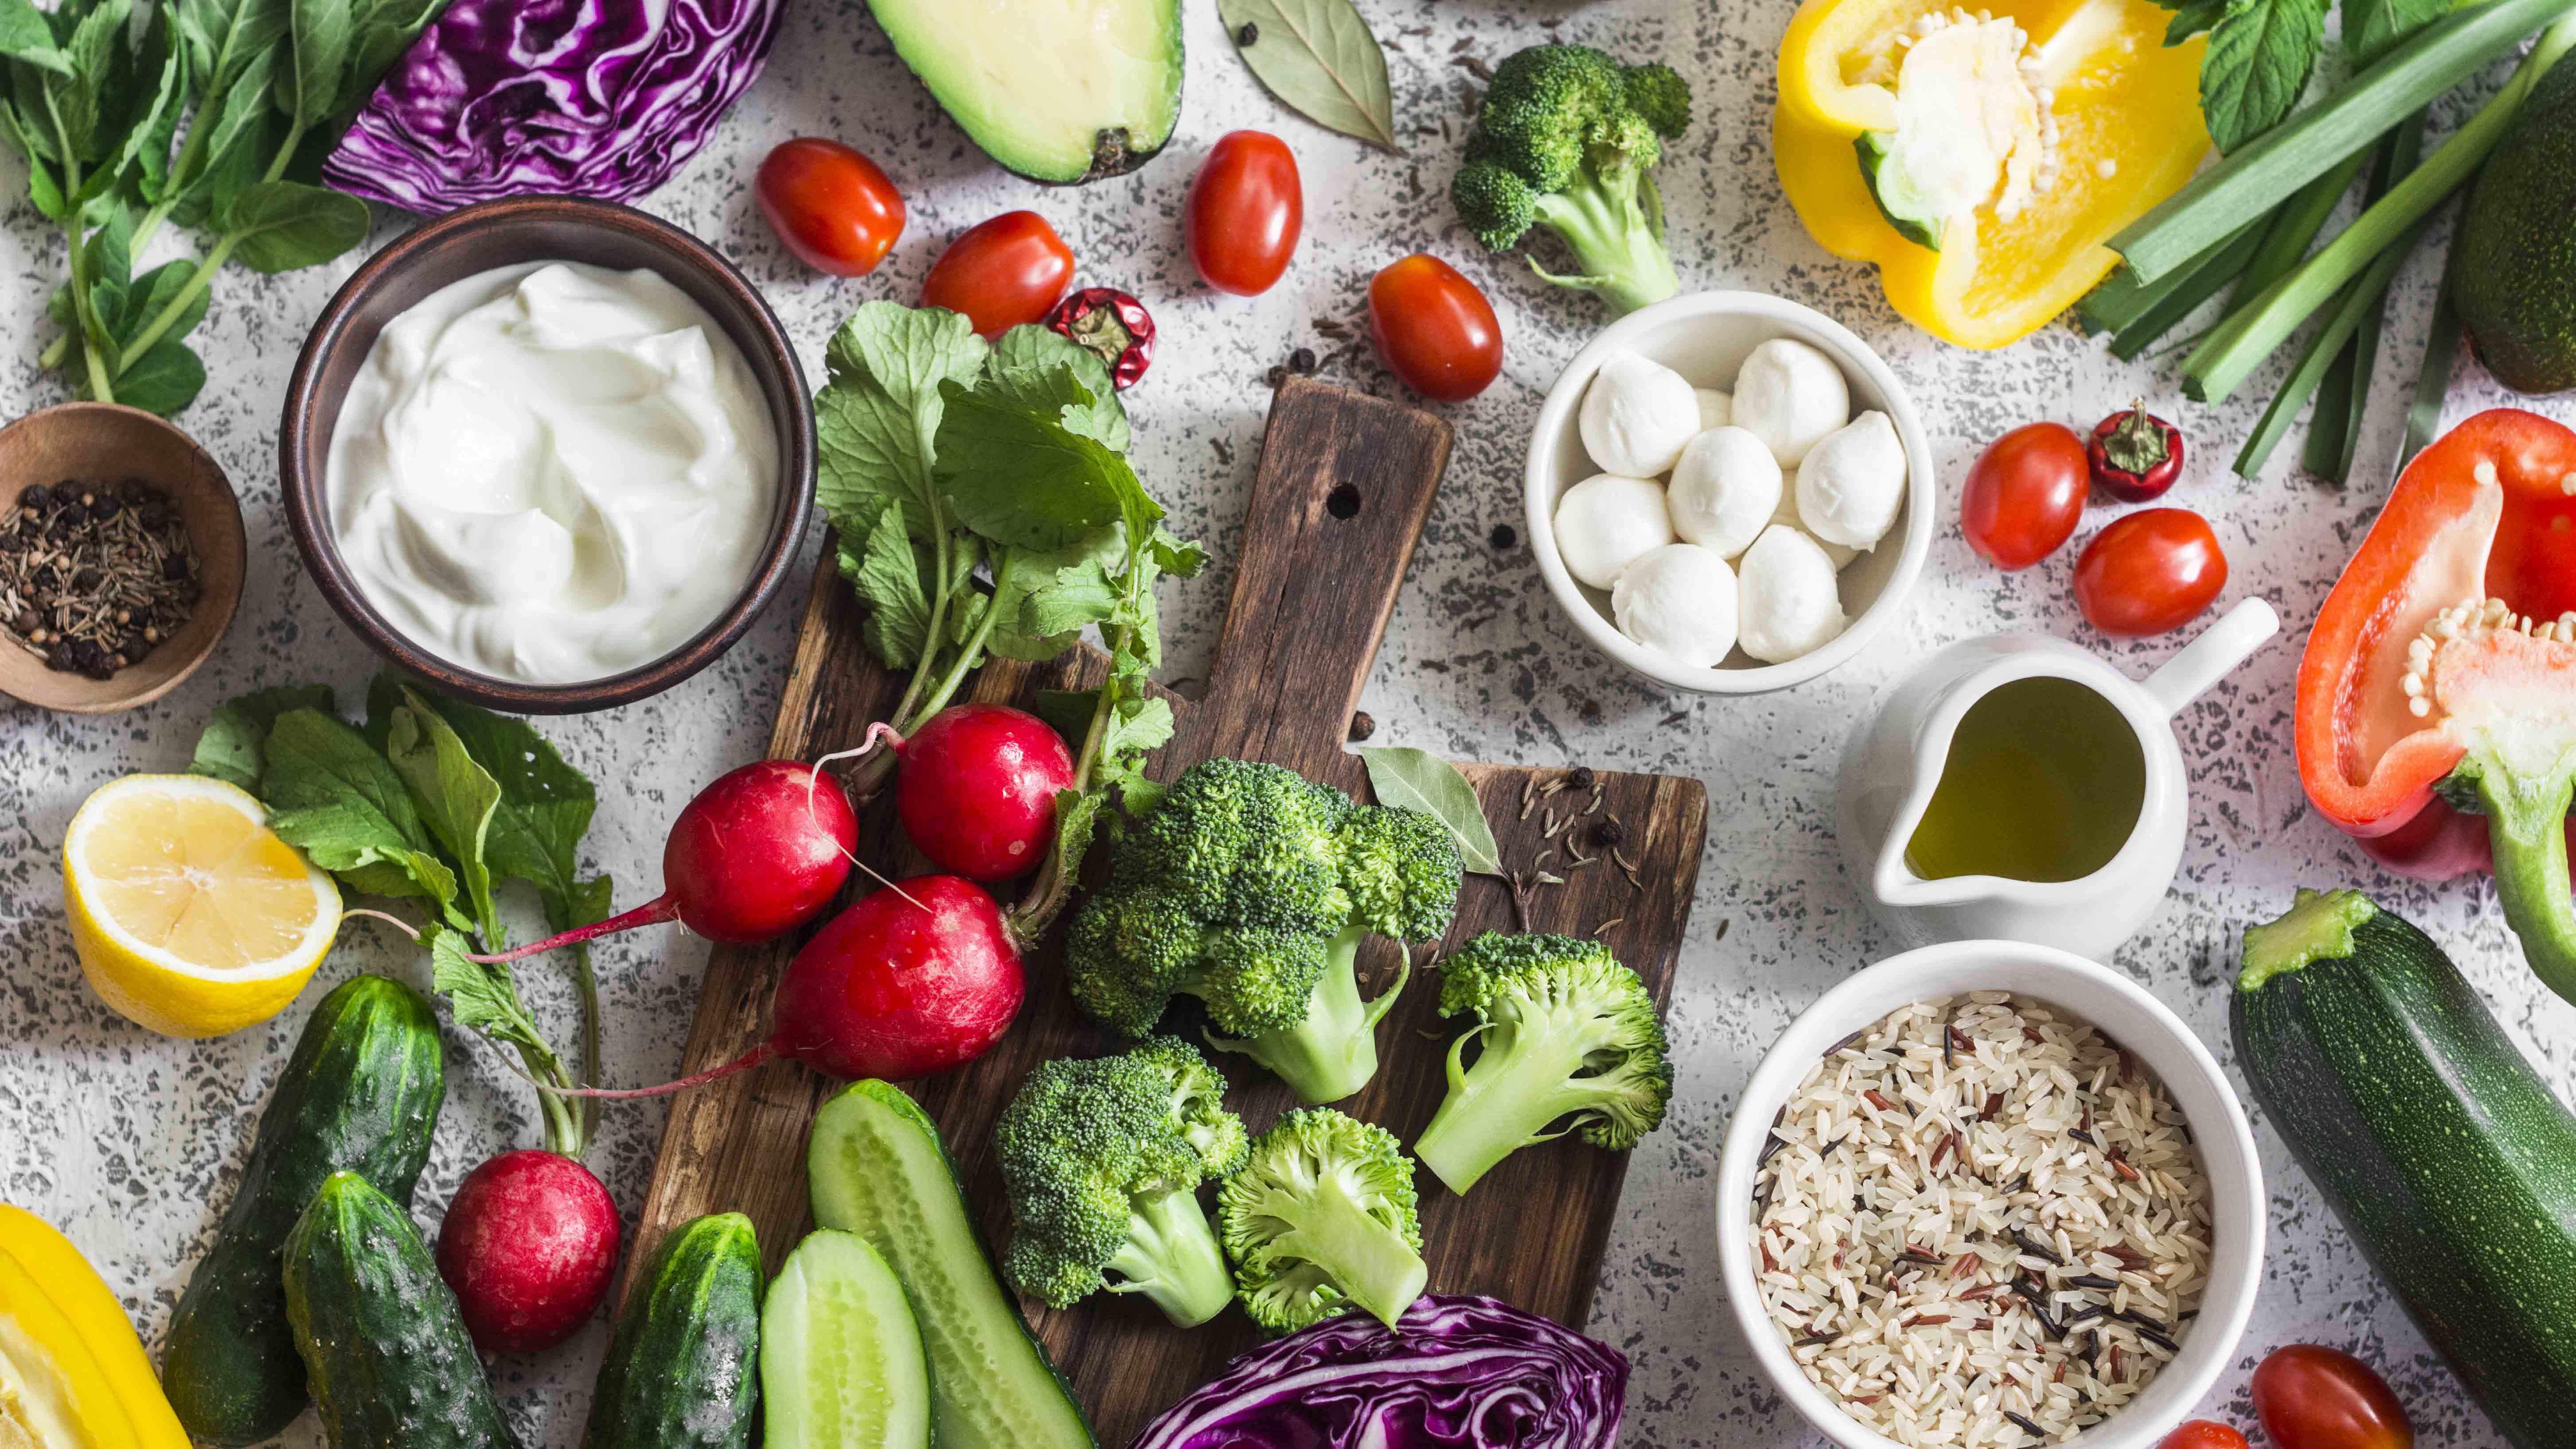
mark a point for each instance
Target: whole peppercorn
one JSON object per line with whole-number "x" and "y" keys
{"x": 1302, "y": 361}
{"x": 135, "y": 491}
{"x": 1248, "y": 34}
{"x": 1362, "y": 726}
{"x": 28, "y": 621}
{"x": 37, "y": 498}
{"x": 1504, "y": 536}
{"x": 1579, "y": 778}
{"x": 104, "y": 507}
{"x": 134, "y": 648}
{"x": 1609, "y": 833}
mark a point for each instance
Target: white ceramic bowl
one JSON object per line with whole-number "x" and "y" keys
{"x": 1705, "y": 337}
{"x": 2128, "y": 1015}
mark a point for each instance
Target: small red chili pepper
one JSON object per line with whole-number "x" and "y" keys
{"x": 1112, "y": 325}
{"x": 2135, "y": 454}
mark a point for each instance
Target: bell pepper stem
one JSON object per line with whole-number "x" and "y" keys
{"x": 2527, "y": 825}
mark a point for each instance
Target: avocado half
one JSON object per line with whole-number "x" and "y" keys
{"x": 2513, "y": 268}
{"x": 1061, "y": 91}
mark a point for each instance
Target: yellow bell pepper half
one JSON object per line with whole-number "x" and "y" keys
{"x": 2129, "y": 135}
{"x": 72, "y": 1373}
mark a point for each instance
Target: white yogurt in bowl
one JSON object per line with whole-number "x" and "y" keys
{"x": 552, "y": 473}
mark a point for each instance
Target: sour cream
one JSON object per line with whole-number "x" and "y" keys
{"x": 553, "y": 472}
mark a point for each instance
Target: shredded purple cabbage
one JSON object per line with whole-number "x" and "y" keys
{"x": 1473, "y": 1373}
{"x": 602, "y": 98}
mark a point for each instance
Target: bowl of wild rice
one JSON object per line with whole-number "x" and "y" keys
{"x": 1987, "y": 1195}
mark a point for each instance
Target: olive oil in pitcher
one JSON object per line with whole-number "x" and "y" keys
{"x": 2044, "y": 782}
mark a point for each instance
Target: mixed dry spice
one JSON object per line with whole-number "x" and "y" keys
{"x": 94, "y": 576}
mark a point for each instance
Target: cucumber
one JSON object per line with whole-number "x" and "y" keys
{"x": 361, "y": 1094}
{"x": 878, "y": 1169}
{"x": 682, "y": 1370}
{"x": 383, "y": 1344}
{"x": 841, "y": 1360}
{"x": 2442, "y": 1151}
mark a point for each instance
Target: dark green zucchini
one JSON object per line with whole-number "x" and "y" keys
{"x": 383, "y": 1344}
{"x": 683, "y": 1370}
{"x": 2442, "y": 1151}
{"x": 361, "y": 1094}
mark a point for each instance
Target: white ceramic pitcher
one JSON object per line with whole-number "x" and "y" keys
{"x": 1894, "y": 762}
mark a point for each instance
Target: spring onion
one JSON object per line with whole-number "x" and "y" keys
{"x": 2252, "y": 332}
{"x": 2198, "y": 285}
{"x": 2318, "y": 139}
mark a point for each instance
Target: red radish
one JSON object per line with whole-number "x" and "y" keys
{"x": 918, "y": 977}
{"x": 978, "y": 786}
{"x": 758, "y": 853}
{"x": 529, "y": 1246}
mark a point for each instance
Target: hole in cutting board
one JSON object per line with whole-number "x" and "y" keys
{"x": 1343, "y": 502}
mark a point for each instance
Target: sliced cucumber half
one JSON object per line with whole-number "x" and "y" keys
{"x": 878, "y": 1169}
{"x": 841, "y": 1360}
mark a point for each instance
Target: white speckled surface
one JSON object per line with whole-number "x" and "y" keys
{"x": 133, "y": 1142}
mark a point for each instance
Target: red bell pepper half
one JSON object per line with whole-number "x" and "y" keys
{"x": 2437, "y": 699}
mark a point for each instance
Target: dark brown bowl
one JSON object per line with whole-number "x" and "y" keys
{"x": 497, "y": 234}
{"x": 95, "y": 442}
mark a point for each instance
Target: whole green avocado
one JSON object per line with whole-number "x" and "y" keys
{"x": 2513, "y": 269}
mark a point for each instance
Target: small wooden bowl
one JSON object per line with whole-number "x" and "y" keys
{"x": 105, "y": 443}
{"x": 477, "y": 239}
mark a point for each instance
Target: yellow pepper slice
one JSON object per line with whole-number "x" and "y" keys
{"x": 73, "y": 1375}
{"x": 2129, "y": 135}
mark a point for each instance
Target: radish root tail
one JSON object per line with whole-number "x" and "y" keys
{"x": 653, "y": 912}
{"x": 876, "y": 732}
{"x": 755, "y": 1057}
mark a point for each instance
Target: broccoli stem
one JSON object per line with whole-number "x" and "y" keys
{"x": 1519, "y": 1084}
{"x": 1333, "y": 1052}
{"x": 1369, "y": 1260}
{"x": 1171, "y": 1257}
{"x": 1614, "y": 226}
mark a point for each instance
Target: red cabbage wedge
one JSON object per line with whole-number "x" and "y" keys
{"x": 1457, "y": 1372}
{"x": 599, "y": 98}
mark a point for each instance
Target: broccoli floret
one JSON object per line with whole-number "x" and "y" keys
{"x": 1568, "y": 139}
{"x": 1567, "y": 1037}
{"x": 1251, "y": 887}
{"x": 1321, "y": 1220}
{"x": 1103, "y": 1160}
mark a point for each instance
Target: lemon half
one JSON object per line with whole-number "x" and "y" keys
{"x": 190, "y": 916}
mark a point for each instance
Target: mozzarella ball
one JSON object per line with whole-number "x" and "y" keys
{"x": 1605, "y": 521}
{"x": 1724, "y": 490}
{"x": 1853, "y": 483}
{"x": 1786, "y": 602}
{"x": 1787, "y": 513}
{"x": 1790, "y": 396}
{"x": 1637, "y": 415}
{"x": 1680, "y": 601}
{"x": 1716, "y": 409}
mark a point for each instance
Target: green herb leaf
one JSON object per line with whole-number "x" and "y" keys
{"x": 380, "y": 31}
{"x": 2260, "y": 57}
{"x": 155, "y": 290}
{"x": 281, "y": 226}
{"x": 1420, "y": 780}
{"x": 2372, "y": 28}
{"x": 876, "y": 417}
{"x": 455, "y": 797}
{"x": 318, "y": 32}
{"x": 233, "y": 745}
{"x": 2198, "y": 17}
{"x": 1318, "y": 58}
{"x": 224, "y": 38}
{"x": 334, "y": 798}
{"x": 24, "y": 35}
{"x": 1022, "y": 480}
{"x": 886, "y": 568}
{"x": 165, "y": 379}
{"x": 484, "y": 998}
{"x": 1026, "y": 359}
{"x": 543, "y": 813}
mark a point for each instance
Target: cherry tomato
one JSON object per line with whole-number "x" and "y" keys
{"x": 1001, "y": 273}
{"x": 1246, "y": 210}
{"x": 2312, "y": 1397}
{"x": 2025, "y": 494}
{"x": 1434, "y": 329}
{"x": 2202, "y": 1434}
{"x": 830, "y": 205}
{"x": 2152, "y": 571}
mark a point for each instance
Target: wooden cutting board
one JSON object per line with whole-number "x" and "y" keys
{"x": 1344, "y": 486}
